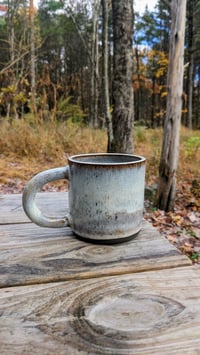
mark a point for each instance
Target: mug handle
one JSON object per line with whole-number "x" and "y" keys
{"x": 29, "y": 195}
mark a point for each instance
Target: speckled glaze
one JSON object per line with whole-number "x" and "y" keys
{"x": 106, "y": 196}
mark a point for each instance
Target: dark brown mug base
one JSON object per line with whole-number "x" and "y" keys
{"x": 107, "y": 241}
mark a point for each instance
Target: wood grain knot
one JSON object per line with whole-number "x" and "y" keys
{"x": 123, "y": 316}
{"x": 95, "y": 252}
{"x": 110, "y": 317}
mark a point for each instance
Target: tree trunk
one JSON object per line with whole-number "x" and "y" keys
{"x": 93, "y": 109}
{"x": 170, "y": 147}
{"x": 11, "y": 31}
{"x": 153, "y": 102}
{"x": 138, "y": 92}
{"x": 32, "y": 58}
{"x": 191, "y": 62}
{"x": 105, "y": 80}
{"x": 197, "y": 120}
{"x": 122, "y": 11}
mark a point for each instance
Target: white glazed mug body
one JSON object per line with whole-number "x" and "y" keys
{"x": 106, "y": 196}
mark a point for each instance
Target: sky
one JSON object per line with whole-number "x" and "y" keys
{"x": 141, "y": 4}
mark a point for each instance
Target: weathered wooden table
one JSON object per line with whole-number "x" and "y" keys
{"x": 60, "y": 295}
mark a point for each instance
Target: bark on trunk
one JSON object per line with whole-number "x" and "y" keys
{"x": 93, "y": 109}
{"x": 122, "y": 119}
{"x": 191, "y": 61}
{"x": 105, "y": 80}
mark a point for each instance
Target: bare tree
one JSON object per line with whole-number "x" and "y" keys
{"x": 170, "y": 148}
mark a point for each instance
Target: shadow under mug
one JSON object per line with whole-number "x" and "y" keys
{"x": 106, "y": 196}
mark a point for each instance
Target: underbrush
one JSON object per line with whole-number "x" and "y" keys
{"x": 26, "y": 148}
{"x": 48, "y": 140}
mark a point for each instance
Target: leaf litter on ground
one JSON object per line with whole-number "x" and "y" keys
{"x": 182, "y": 226}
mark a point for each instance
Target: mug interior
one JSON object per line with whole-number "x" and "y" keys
{"x": 106, "y": 159}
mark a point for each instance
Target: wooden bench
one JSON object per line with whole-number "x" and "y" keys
{"x": 60, "y": 295}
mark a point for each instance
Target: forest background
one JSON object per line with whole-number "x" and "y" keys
{"x": 52, "y": 101}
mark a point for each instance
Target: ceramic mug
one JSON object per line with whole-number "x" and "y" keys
{"x": 106, "y": 196}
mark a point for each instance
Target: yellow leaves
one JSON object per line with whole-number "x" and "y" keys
{"x": 25, "y": 82}
{"x": 159, "y": 62}
{"x": 20, "y": 98}
{"x": 9, "y": 89}
{"x": 164, "y": 94}
{"x": 12, "y": 95}
{"x": 151, "y": 66}
{"x": 160, "y": 72}
{"x": 177, "y": 219}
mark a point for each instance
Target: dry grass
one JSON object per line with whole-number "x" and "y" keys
{"x": 25, "y": 149}
{"x": 149, "y": 143}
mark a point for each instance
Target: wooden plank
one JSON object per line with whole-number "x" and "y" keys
{"x": 11, "y": 210}
{"x": 30, "y": 254}
{"x": 151, "y": 313}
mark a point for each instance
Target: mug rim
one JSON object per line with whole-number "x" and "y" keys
{"x": 134, "y": 159}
